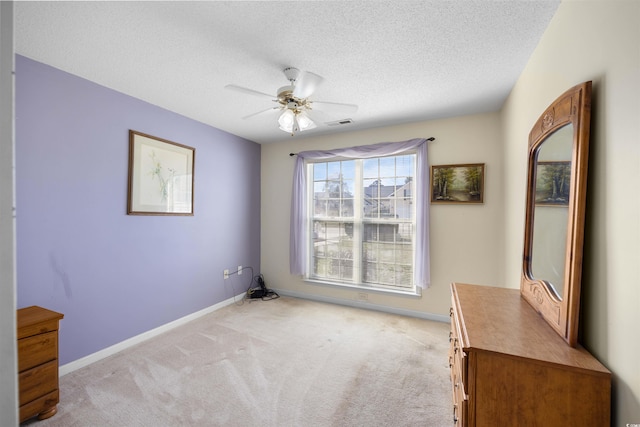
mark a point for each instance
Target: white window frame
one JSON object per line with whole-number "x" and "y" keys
{"x": 359, "y": 221}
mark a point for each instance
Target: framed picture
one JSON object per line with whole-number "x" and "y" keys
{"x": 457, "y": 183}
{"x": 160, "y": 176}
{"x": 552, "y": 183}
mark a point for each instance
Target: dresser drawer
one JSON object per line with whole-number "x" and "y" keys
{"x": 35, "y": 382}
{"x": 458, "y": 367}
{"x": 457, "y": 358}
{"x": 36, "y": 320}
{"x": 460, "y": 409}
{"x": 45, "y": 405}
{"x": 36, "y": 350}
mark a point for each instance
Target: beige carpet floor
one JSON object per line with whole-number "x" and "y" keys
{"x": 284, "y": 362}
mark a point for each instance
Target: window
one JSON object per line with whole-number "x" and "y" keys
{"x": 362, "y": 221}
{"x": 359, "y": 216}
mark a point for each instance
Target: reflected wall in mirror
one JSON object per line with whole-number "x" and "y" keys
{"x": 554, "y": 226}
{"x": 553, "y": 179}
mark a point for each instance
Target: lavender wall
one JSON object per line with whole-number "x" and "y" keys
{"x": 113, "y": 275}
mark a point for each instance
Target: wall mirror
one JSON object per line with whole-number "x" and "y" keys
{"x": 555, "y": 210}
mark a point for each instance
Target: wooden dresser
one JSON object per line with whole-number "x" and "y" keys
{"x": 510, "y": 368}
{"x": 38, "y": 362}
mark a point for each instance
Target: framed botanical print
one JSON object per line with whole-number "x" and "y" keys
{"x": 160, "y": 176}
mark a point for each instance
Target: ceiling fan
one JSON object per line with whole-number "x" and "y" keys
{"x": 293, "y": 100}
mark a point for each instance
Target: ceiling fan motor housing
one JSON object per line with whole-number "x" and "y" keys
{"x": 291, "y": 73}
{"x": 285, "y": 93}
{"x": 287, "y": 100}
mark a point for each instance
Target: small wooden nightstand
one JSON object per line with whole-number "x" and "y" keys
{"x": 38, "y": 362}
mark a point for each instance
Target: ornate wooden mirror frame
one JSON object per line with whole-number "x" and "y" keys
{"x": 555, "y": 211}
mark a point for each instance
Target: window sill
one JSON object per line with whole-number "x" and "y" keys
{"x": 416, "y": 292}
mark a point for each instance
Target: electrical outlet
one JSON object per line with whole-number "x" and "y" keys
{"x": 363, "y": 296}
{"x": 239, "y": 270}
{"x": 225, "y": 274}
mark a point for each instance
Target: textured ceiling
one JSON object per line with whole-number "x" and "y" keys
{"x": 399, "y": 61}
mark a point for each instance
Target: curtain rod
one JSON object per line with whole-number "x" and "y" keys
{"x": 428, "y": 139}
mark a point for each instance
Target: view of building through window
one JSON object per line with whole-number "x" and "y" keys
{"x": 363, "y": 221}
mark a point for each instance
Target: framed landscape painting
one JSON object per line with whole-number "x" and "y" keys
{"x": 462, "y": 183}
{"x": 552, "y": 183}
{"x": 160, "y": 176}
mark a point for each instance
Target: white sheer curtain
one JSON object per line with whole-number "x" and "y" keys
{"x": 298, "y": 236}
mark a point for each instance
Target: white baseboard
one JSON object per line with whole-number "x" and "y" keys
{"x": 106, "y": 352}
{"x": 365, "y": 305}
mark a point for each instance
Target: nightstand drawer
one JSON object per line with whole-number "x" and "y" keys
{"x": 40, "y": 405}
{"x": 38, "y": 381}
{"x": 37, "y": 350}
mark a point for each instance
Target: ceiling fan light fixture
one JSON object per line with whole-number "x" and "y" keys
{"x": 292, "y": 121}
{"x": 304, "y": 121}
{"x": 287, "y": 120}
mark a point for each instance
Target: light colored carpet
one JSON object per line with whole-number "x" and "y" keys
{"x": 284, "y": 362}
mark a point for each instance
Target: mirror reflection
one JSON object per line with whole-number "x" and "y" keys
{"x": 551, "y": 212}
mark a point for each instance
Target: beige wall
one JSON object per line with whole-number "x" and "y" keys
{"x": 466, "y": 240}
{"x": 598, "y": 41}
{"x": 586, "y": 40}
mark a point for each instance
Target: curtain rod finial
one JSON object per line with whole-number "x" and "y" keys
{"x": 292, "y": 154}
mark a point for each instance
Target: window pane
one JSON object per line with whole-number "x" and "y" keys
{"x": 320, "y": 208}
{"x": 319, "y": 171}
{"x": 404, "y": 165}
{"x": 333, "y": 170}
{"x": 388, "y": 254}
{"x": 347, "y": 198}
{"x": 349, "y": 170}
{"x": 387, "y": 167}
{"x": 347, "y": 208}
{"x": 319, "y": 189}
{"x": 371, "y": 198}
{"x": 333, "y": 196}
{"x": 370, "y": 168}
{"x": 347, "y": 188}
{"x": 333, "y": 208}
{"x": 387, "y": 208}
{"x": 333, "y": 251}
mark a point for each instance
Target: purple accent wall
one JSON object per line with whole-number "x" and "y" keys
{"x": 114, "y": 275}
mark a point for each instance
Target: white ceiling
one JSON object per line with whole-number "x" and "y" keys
{"x": 399, "y": 61}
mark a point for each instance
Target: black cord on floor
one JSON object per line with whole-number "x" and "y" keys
{"x": 261, "y": 292}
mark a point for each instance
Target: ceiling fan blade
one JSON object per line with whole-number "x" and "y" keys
{"x": 334, "y": 107}
{"x": 261, "y": 112}
{"x": 306, "y": 84}
{"x": 249, "y": 91}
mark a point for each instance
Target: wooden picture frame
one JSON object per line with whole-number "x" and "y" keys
{"x": 553, "y": 183}
{"x": 160, "y": 176}
{"x": 457, "y": 184}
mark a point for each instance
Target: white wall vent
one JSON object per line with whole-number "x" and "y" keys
{"x": 340, "y": 122}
